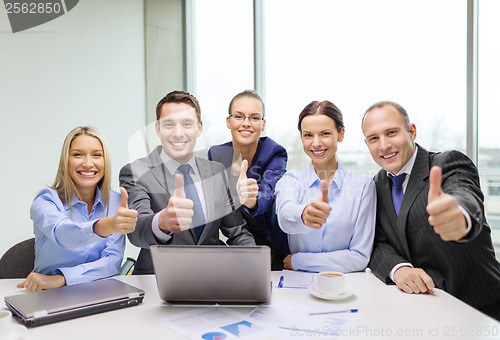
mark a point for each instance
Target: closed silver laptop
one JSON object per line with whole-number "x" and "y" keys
{"x": 67, "y": 302}
{"x": 213, "y": 274}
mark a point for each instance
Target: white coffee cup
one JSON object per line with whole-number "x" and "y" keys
{"x": 5, "y": 322}
{"x": 330, "y": 282}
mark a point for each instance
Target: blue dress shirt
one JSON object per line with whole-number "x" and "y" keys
{"x": 344, "y": 243}
{"x": 65, "y": 242}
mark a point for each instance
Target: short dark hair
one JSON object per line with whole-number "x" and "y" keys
{"x": 326, "y": 108}
{"x": 179, "y": 97}
{"x": 247, "y": 93}
{"x": 399, "y": 108}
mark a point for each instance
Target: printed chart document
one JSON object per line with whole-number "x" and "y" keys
{"x": 210, "y": 323}
{"x": 288, "y": 319}
{"x": 294, "y": 320}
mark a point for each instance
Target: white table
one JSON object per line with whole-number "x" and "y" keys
{"x": 386, "y": 313}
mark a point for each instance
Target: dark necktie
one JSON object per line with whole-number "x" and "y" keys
{"x": 192, "y": 194}
{"x": 397, "y": 191}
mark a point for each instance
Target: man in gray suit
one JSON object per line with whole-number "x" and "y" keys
{"x": 180, "y": 199}
{"x": 431, "y": 229}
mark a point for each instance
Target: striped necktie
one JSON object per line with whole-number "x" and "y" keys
{"x": 191, "y": 193}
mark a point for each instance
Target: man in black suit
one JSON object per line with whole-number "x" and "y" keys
{"x": 431, "y": 230}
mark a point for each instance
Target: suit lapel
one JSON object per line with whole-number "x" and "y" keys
{"x": 416, "y": 183}
{"x": 390, "y": 222}
{"x": 419, "y": 173}
{"x": 208, "y": 191}
{"x": 157, "y": 168}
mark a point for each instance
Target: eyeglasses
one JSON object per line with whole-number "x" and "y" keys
{"x": 252, "y": 119}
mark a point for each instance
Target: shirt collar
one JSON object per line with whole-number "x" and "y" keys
{"x": 312, "y": 176}
{"x": 98, "y": 199}
{"x": 172, "y": 164}
{"x": 408, "y": 166}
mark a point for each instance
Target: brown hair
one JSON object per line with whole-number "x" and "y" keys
{"x": 179, "y": 97}
{"x": 326, "y": 108}
{"x": 247, "y": 93}
{"x": 399, "y": 108}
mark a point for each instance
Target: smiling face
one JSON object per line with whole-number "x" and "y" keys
{"x": 391, "y": 145}
{"x": 178, "y": 128}
{"x": 246, "y": 132}
{"x": 319, "y": 139}
{"x": 86, "y": 163}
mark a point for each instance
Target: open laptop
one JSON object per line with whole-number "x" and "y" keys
{"x": 213, "y": 274}
{"x": 67, "y": 302}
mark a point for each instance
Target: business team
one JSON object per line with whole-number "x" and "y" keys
{"x": 419, "y": 224}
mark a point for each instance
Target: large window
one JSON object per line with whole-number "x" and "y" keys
{"x": 494, "y": 188}
{"x": 223, "y": 64}
{"x": 489, "y": 112}
{"x": 355, "y": 53}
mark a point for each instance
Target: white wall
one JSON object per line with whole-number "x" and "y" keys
{"x": 83, "y": 68}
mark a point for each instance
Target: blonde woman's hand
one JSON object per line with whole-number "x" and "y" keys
{"x": 35, "y": 282}
{"x": 122, "y": 222}
{"x": 125, "y": 219}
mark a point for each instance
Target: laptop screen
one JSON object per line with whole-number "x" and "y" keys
{"x": 213, "y": 274}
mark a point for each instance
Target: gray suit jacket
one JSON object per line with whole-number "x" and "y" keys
{"x": 467, "y": 270}
{"x": 144, "y": 180}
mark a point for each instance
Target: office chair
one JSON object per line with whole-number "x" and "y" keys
{"x": 18, "y": 261}
{"x": 127, "y": 267}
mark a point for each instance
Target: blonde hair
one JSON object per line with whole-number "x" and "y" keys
{"x": 64, "y": 184}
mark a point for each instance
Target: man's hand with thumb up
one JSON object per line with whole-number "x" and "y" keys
{"x": 444, "y": 214}
{"x": 316, "y": 213}
{"x": 177, "y": 216}
{"x": 247, "y": 188}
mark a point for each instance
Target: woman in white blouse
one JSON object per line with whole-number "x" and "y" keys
{"x": 327, "y": 212}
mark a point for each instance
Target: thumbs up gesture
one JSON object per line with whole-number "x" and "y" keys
{"x": 316, "y": 213}
{"x": 178, "y": 214}
{"x": 247, "y": 188}
{"x": 125, "y": 219}
{"x": 445, "y": 216}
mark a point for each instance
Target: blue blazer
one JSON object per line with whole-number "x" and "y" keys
{"x": 268, "y": 166}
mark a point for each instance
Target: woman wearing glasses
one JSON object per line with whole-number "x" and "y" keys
{"x": 254, "y": 165}
{"x": 79, "y": 222}
{"x": 328, "y": 212}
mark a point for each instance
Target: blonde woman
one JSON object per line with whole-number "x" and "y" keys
{"x": 79, "y": 223}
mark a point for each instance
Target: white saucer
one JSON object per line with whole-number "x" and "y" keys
{"x": 325, "y": 296}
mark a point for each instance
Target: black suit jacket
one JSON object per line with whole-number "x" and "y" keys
{"x": 148, "y": 193}
{"x": 466, "y": 269}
